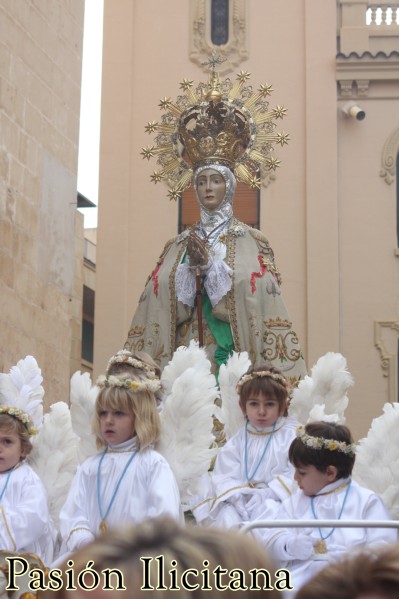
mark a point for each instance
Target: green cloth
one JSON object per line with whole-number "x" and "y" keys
{"x": 220, "y": 330}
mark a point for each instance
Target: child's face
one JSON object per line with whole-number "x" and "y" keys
{"x": 261, "y": 410}
{"x": 116, "y": 426}
{"x": 10, "y": 450}
{"x": 311, "y": 480}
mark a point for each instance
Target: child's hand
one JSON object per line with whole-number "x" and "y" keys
{"x": 258, "y": 498}
{"x": 299, "y": 546}
{"x": 239, "y": 503}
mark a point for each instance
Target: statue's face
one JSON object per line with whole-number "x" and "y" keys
{"x": 211, "y": 189}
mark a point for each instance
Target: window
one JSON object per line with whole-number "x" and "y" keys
{"x": 88, "y": 324}
{"x": 219, "y": 22}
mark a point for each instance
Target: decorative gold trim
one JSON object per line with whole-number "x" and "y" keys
{"x": 8, "y": 529}
{"x": 76, "y": 530}
{"x": 201, "y": 47}
{"x": 230, "y": 302}
{"x": 265, "y": 433}
{"x": 388, "y": 360}
{"x": 247, "y": 486}
{"x": 388, "y": 158}
{"x": 278, "y": 323}
{"x": 282, "y": 483}
{"x": 122, "y": 450}
{"x": 202, "y": 503}
{"x": 336, "y": 490}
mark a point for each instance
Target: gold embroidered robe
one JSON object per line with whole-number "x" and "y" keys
{"x": 254, "y": 307}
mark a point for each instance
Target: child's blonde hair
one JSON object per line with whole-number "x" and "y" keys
{"x": 140, "y": 403}
{"x": 9, "y": 424}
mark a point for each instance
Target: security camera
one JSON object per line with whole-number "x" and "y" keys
{"x": 353, "y": 110}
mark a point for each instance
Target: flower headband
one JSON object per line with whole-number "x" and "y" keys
{"x": 322, "y": 443}
{"x": 262, "y": 374}
{"x": 21, "y": 394}
{"x": 18, "y": 414}
{"x": 124, "y": 356}
{"x": 151, "y": 385}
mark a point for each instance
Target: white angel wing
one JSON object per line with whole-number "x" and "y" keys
{"x": 54, "y": 456}
{"x": 377, "y": 461}
{"x": 187, "y": 417}
{"x": 229, "y": 413}
{"x": 183, "y": 358}
{"x": 83, "y": 398}
{"x": 323, "y": 395}
{"x": 21, "y": 388}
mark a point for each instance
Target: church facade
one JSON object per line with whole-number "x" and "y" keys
{"x": 329, "y": 211}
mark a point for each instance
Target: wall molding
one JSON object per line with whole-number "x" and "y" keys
{"x": 388, "y": 359}
{"x": 388, "y": 159}
{"x": 201, "y": 47}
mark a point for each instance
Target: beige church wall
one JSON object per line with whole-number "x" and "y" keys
{"x": 144, "y": 61}
{"x": 41, "y": 234}
{"x": 368, "y": 265}
{"x": 296, "y": 49}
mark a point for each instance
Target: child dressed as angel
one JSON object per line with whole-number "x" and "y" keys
{"x": 25, "y": 523}
{"x": 323, "y": 454}
{"x": 127, "y": 481}
{"x": 252, "y": 469}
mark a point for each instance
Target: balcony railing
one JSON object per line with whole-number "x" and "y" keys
{"x": 382, "y": 15}
{"x": 368, "y": 26}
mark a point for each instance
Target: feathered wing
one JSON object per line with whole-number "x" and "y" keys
{"x": 229, "y": 413}
{"x": 323, "y": 395}
{"x": 21, "y": 388}
{"x": 54, "y": 455}
{"x": 83, "y": 398}
{"x": 183, "y": 358}
{"x": 377, "y": 461}
{"x": 187, "y": 417}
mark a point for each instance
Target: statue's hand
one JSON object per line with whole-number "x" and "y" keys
{"x": 197, "y": 249}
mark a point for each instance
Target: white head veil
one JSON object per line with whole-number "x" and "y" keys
{"x": 217, "y": 274}
{"x": 216, "y": 219}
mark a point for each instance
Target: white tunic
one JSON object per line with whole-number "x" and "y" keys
{"x": 25, "y": 523}
{"x": 245, "y": 456}
{"x": 360, "y": 504}
{"x": 148, "y": 489}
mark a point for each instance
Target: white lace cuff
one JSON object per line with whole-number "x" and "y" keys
{"x": 218, "y": 281}
{"x": 185, "y": 284}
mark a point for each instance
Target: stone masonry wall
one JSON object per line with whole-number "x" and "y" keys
{"x": 41, "y": 233}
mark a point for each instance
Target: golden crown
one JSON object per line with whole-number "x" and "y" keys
{"x": 220, "y": 122}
